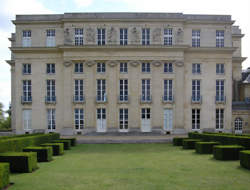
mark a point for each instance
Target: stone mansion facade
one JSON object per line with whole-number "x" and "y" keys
{"x": 75, "y": 73}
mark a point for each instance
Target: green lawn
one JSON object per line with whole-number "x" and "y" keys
{"x": 134, "y": 166}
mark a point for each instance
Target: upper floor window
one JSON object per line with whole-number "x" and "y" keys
{"x": 123, "y": 36}
{"x": 50, "y": 41}
{"x": 26, "y": 91}
{"x": 168, "y": 67}
{"x": 101, "y": 36}
{"x": 168, "y": 36}
{"x": 26, "y": 41}
{"x": 78, "y": 36}
{"x": 123, "y": 67}
{"x": 26, "y": 69}
{"x": 196, "y": 68}
{"x": 219, "y": 38}
{"x": 78, "y": 67}
{"x": 196, "y": 34}
{"x": 220, "y": 69}
{"x": 220, "y": 91}
{"x": 101, "y": 68}
{"x": 145, "y": 36}
{"x": 196, "y": 91}
{"x": 145, "y": 67}
{"x": 51, "y": 68}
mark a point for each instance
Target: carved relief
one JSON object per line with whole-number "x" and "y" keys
{"x": 67, "y": 37}
{"x": 112, "y": 35}
{"x": 157, "y": 35}
{"x": 179, "y": 36}
{"x": 179, "y": 63}
{"x": 135, "y": 36}
{"x": 90, "y": 35}
{"x": 112, "y": 63}
{"x": 134, "y": 63}
{"x": 157, "y": 63}
{"x": 90, "y": 63}
{"x": 67, "y": 63}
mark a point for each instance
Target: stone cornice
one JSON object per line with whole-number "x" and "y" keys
{"x": 212, "y": 49}
{"x": 11, "y": 62}
{"x": 239, "y": 59}
{"x": 34, "y": 49}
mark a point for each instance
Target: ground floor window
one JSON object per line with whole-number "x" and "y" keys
{"x": 238, "y": 124}
{"x": 219, "y": 119}
{"x": 123, "y": 118}
{"x": 51, "y": 119}
{"x": 79, "y": 119}
{"x": 195, "y": 119}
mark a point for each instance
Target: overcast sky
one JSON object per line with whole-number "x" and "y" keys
{"x": 240, "y": 11}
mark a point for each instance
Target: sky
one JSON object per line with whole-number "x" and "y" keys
{"x": 240, "y": 11}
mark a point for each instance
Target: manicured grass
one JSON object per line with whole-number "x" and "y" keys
{"x": 134, "y": 167}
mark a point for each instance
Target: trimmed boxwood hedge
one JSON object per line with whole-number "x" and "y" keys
{"x": 44, "y": 154}
{"x": 22, "y": 162}
{"x": 72, "y": 141}
{"x": 4, "y": 175}
{"x": 205, "y": 147}
{"x": 189, "y": 143}
{"x": 17, "y": 144}
{"x": 245, "y": 159}
{"x": 177, "y": 141}
{"x": 227, "y": 152}
{"x": 57, "y": 148}
{"x": 66, "y": 143}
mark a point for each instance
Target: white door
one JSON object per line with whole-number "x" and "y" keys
{"x": 101, "y": 120}
{"x": 27, "y": 120}
{"x": 145, "y": 120}
{"x": 168, "y": 119}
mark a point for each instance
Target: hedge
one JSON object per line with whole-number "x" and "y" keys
{"x": 66, "y": 143}
{"x": 17, "y": 144}
{"x": 57, "y": 148}
{"x": 189, "y": 143}
{"x": 22, "y": 162}
{"x": 205, "y": 147}
{"x": 4, "y": 175}
{"x": 177, "y": 141}
{"x": 227, "y": 152}
{"x": 245, "y": 159}
{"x": 44, "y": 154}
{"x": 72, "y": 141}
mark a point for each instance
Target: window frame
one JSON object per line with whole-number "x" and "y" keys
{"x": 79, "y": 37}
{"x": 101, "y": 36}
{"x": 123, "y": 36}
{"x": 196, "y": 38}
{"x": 145, "y": 36}
{"x": 168, "y": 36}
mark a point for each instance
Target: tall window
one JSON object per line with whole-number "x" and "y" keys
{"x": 51, "y": 68}
{"x": 196, "y": 34}
{"x": 26, "y": 41}
{"x": 123, "y": 36}
{"x": 101, "y": 68}
{"x": 168, "y": 90}
{"x": 219, "y": 119}
{"x": 220, "y": 69}
{"x": 145, "y": 67}
{"x": 123, "y": 118}
{"x": 78, "y": 67}
{"x": 168, "y": 36}
{"x": 101, "y": 90}
{"x": 50, "y": 34}
{"x": 123, "y": 67}
{"x": 168, "y": 67}
{"x": 123, "y": 90}
{"x": 79, "y": 91}
{"x": 78, "y": 36}
{"x": 51, "y": 118}
{"x": 238, "y": 124}
{"x": 27, "y": 91}
{"x": 51, "y": 91}
{"x": 145, "y": 36}
{"x": 220, "y": 91}
{"x": 79, "y": 119}
{"x": 196, "y": 91}
{"x": 195, "y": 119}
{"x": 145, "y": 113}
{"x": 146, "y": 90}
{"x": 101, "y": 36}
{"x": 196, "y": 68}
{"x": 219, "y": 38}
{"x": 26, "y": 69}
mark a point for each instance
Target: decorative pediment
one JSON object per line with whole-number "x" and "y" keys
{"x": 67, "y": 63}
{"x": 90, "y": 63}
{"x": 157, "y": 63}
{"x": 112, "y": 63}
{"x": 179, "y": 63}
{"x": 134, "y": 63}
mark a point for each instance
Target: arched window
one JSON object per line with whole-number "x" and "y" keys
{"x": 238, "y": 124}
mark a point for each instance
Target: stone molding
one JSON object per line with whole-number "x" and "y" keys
{"x": 67, "y": 63}
{"x": 112, "y": 63}
{"x": 90, "y": 63}
{"x": 134, "y": 63}
{"x": 157, "y": 63}
{"x": 179, "y": 63}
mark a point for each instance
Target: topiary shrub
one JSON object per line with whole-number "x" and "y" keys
{"x": 44, "y": 154}
{"x": 22, "y": 162}
{"x": 227, "y": 152}
{"x": 245, "y": 159}
{"x": 4, "y": 174}
{"x": 177, "y": 141}
{"x": 72, "y": 141}
{"x": 189, "y": 143}
{"x": 57, "y": 148}
{"x": 205, "y": 147}
{"x": 66, "y": 143}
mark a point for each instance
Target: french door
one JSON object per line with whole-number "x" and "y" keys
{"x": 101, "y": 120}
{"x": 123, "y": 119}
{"x": 168, "y": 119}
{"x": 145, "y": 120}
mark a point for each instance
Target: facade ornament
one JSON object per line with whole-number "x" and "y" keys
{"x": 135, "y": 37}
{"x": 179, "y": 63}
{"x": 157, "y": 63}
{"x": 134, "y": 63}
{"x": 90, "y": 63}
{"x": 112, "y": 35}
{"x": 90, "y": 35}
{"x": 67, "y": 63}
{"x": 179, "y": 36}
{"x": 67, "y": 38}
{"x": 112, "y": 63}
{"x": 157, "y": 35}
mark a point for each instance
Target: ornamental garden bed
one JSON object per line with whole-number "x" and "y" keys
{"x": 177, "y": 141}
{"x": 189, "y": 143}
{"x": 57, "y": 148}
{"x": 72, "y": 141}
{"x": 227, "y": 152}
{"x": 4, "y": 175}
{"x": 44, "y": 154}
{"x": 66, "y": 143}
{"x": 205, "y": 147}
{"x": 245, "y": 159}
